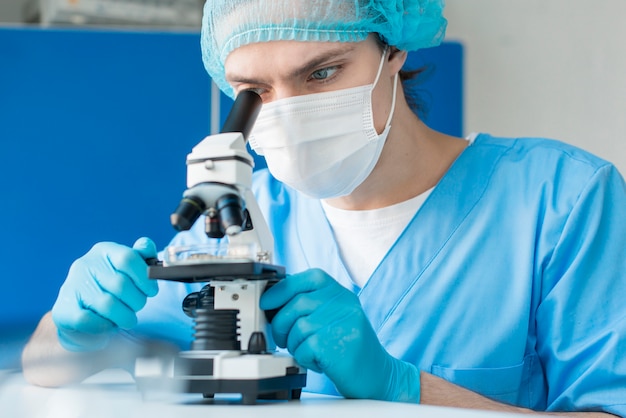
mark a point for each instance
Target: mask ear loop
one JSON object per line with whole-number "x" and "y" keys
{"x": 380, "y": 66}
{"x": 395, "y": 87}
{"x": 393, "y": 101}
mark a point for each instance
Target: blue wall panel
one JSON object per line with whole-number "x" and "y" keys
{"x": 94, "y": 130}
{"x": 440, "y": 86}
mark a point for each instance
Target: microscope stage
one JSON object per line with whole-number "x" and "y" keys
{"x": 224, "y": 271}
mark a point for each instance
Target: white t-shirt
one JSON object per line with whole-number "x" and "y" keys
{"x": 365, "y": 236}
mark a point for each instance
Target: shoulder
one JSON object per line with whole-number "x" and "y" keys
{"x": 537, "y": 151}
{"x": 544, "y": 174}
{"x": 539, "y": 162}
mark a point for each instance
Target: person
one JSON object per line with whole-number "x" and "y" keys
{"x": 477, "y": 272}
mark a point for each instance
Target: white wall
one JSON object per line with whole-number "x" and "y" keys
{"x": 553, "y": 68}
{"x": 11, "y": 10}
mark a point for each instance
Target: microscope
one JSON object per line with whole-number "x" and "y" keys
{"x": 230, "y": 352}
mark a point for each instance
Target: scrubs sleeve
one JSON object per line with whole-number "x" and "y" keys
{"x": 581, "y": 320}
{"x": 162, "y": 318}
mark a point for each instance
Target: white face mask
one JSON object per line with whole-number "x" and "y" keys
{"x": 324, "y": 144}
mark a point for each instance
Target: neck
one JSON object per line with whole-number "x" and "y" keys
{"x": 413, "y": 160}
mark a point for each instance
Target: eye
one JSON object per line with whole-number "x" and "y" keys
{"x": 324, "y": 73}
{"x": 258, "y": 90}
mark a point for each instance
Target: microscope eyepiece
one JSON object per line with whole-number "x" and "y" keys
{"x": 188, "y": 211}
{"x": 243, "y": 114}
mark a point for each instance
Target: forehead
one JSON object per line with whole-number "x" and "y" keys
{"x": 285, "y": 52}
{"x": 265, "y": 59}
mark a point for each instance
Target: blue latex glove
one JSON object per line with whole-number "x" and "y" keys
{"x": 323, "y": 326}
{"x": 102, "y": 293}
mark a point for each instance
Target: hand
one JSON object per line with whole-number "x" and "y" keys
{"x": 102, "y": 292}
{"x": 323, "y": 326}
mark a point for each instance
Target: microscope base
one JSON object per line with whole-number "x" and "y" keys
{"x": 276, "y": 388}
{"x": 257, "y": 376}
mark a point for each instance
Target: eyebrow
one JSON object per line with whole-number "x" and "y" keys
{"x": 308, "y": 67}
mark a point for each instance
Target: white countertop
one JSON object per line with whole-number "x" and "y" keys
{"x": 113, "y": 394}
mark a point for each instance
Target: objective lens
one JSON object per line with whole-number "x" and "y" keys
{"x": 188, "y": 211}
{"x": 231, "y": 213}
{"x": 212, "y": 225}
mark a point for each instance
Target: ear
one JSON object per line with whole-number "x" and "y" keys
{"x": 396, "y": 60}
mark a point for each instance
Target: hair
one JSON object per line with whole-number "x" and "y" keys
{"x": 411, "y": 84}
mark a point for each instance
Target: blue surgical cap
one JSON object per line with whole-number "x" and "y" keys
{"x": 229, "y": 24}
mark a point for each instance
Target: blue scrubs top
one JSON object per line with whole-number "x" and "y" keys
{"x": 509, "y": 281}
